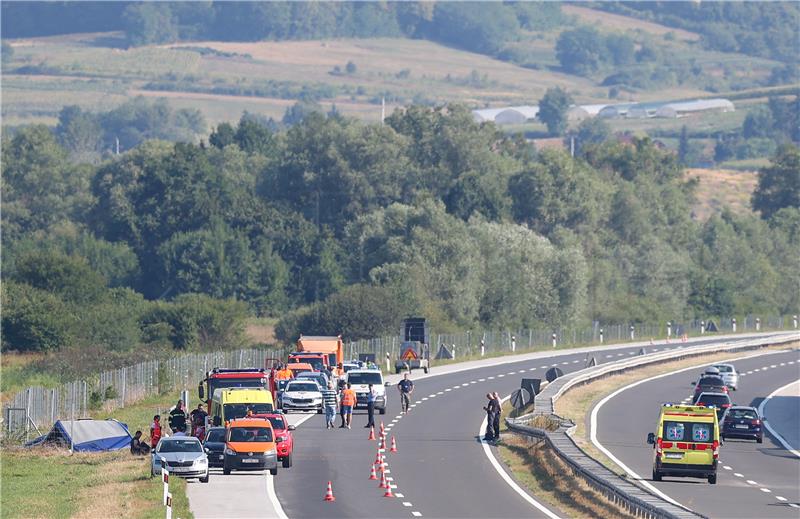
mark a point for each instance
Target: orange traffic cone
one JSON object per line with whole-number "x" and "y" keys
{"x": 394, "y": 445}
{"x": 382, "y": 444}
{"x": 371, "y": 434}
{"x": 383, "y": 483}
{"x": 329, "y": 493}
{"x": 372, "y": 474}
{"x": 378, "y": 458}
{"x": 388, "y": 492}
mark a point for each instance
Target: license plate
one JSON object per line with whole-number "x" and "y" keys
{"x": 250, "y": 460}
{"x": 741, "y": 426}
{"x": 222, "y": 456}
{"x": 674, "y": 455}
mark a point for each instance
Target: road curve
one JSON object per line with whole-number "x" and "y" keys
{"x": 753, "y": 481}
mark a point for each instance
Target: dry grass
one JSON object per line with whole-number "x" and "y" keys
{"x": 625, "y": 23}
{"x": 261, "y": 330}
{"x": 722, "y": 188}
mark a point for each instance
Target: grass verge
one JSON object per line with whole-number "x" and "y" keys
{"x": 45, "y": 482}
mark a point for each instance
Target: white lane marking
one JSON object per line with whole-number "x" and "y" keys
{"x": 473, "y": 381}
{"x": 395, "y": 420}
{"x": 751, "y": 482}
{"x": 273, "y": 497}
{"x": 412, "y": 405}
{"x": 631, "y": 352}
{"x": 406, "y": 503}
{"x": 620, "y": 354}
{"x": 448, "y": 389}
{"x": 489, "y": 378}
{"x": 387, "y": 471}
{"x": 481, "y": 380}
{"x": 465, "y": 384}
{"x": 765, "y": 490}
{"x": 726, "y": 467}
{"x": 748, "y": 372}
{"x": 738, "y": 475}
{"x": 392, "y": 486}
{"x": 596, "y": 409}
{"x": 564, "y": 363}
{"x": 398, "y": 494}
{"x": 757, "y": 369}
{"x": 772, "y": 431}
{"x": 609, "y": 356}
{"x": 576, "y": 361}
{"x": 772, "y": 366}
{"x": 500, "y": 376}
{"x": 389, "y": 479}
{"x": 794, "y": 505}
{"x": 780, "y": 498}
{"x": 416, "y": 514}
{"x": 532, "y": 369}
{"x": 655, "y": 349}
{"x": 398, "y": 416}
{"x": 424, "y": 398}
{"x": 506, "y": 477}
{"x": 544, "y": 367}
{"x": 440, "y": 393}
{"x": 783, "y": 363}
{"x": 432, "y": 395}
{"x": 554, "y": 365}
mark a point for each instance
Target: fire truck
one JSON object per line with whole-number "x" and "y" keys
{"x": 219, "y": 378}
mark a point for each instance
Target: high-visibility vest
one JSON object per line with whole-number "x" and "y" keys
{"x": 348, "y": 397}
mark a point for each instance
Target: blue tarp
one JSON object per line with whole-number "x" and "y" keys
{"x": 87, "y": 435}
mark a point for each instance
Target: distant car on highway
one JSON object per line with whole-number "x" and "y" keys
{"x": 742, "y": 422}
{"x": 183, "y": 455}
{"x": 302, "y": 395}
{"x": 250, "y": 445}
{"x": 729, "y": 375}
{"x": 214, "y": 446}
{"x": 709, "y": 384}
{"x": 320, "y": 378}
{"x": 720, "y": 401}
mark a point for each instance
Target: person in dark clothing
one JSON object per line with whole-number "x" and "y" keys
{"x": 177, "y": 418}
{"x": 406, "y": 387}
{"x": 490, "y": 413}
{"x": 372, "y": 395}
{"x": 138, "y": 447}
{"x": 498, "y": 411}
{"x": 198, "y": 418}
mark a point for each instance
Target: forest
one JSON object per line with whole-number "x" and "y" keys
{"x": 332, "y": 225}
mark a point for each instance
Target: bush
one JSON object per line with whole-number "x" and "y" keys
{"x": 33, "y": 319}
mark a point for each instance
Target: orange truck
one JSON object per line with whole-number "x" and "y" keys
{"x": 330, "y": 349}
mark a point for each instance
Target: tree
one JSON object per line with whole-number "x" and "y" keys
{"x": 758, "y": 123}
{"x": 779, "y": 183}
{"x": 34, "y": 320}
{"x": 553, "y": 109}
{"x": 591, "y": 132}
{"x": 683, "y": 145}
{"x": 350, "y": 68}
{"x": 580, "y": 51}
{"x": 149, "y": 22}
{"x": 621, "y": 49}
{"x": 299, "y": 111}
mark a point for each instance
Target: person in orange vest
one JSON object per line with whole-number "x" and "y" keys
{"x": 348, "y": 402}
{"x": 284, "y": 373}
{"x": 155, "y": 431}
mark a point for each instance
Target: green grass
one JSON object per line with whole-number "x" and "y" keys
{"x": 746, "y": 164}
{"x": 18, "y": 371}
{"x": 51, "y": 483}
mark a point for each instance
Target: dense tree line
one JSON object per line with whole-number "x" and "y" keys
{"x": 335, "y": 225}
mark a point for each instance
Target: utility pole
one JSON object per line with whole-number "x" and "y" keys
{"x": 383, "y": 109}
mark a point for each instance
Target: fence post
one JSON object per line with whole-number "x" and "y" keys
{"x": 733, "y": 324}
{"x": 632, "y": 329}
{"x": 601, "y": 336}
{"x": 554, "y": 339}
{"x": 513, "y": 344}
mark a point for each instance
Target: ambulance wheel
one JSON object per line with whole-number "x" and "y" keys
{"x": 274, "y": 471}
{"x": 656, "y": 475}
{"x": 712, "y": 479}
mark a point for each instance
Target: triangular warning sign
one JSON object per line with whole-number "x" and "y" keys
{"x": 409, "y": 354}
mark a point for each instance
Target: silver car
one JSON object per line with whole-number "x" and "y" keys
{"x": 183, "y": 455}
{"x": 729, "y": 375}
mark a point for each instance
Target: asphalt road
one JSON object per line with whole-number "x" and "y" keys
{"x": 440, "y": 469}
{"x": 754, "y": 481}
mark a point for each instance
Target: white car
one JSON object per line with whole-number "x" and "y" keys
{"x": 359, "y": 380}
{"x": 183, "y": 456}
{"x": 301, "y": 395}
{"x": 729, "y": 375}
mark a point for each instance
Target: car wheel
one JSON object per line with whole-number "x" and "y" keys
{"x": 396, "y": 371}
{"x": 712, "y": 479}
{"x": 760, "y": 439}
{"x": 287, "y": 461}
{"x": 382, "y": 410}
{"x": 205, "y": 479}
{"x": 319, "y": 411}
{"x": 656, "y": 475}
{"x": 226, "y": 471}
{"x": 274, "y": 471}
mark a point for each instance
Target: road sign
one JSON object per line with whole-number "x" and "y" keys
{"x": 532, "y": 385}
{"x": 552, "y": 374}
{"x": 520, "y": 398}
{"x": 409, "y": 354}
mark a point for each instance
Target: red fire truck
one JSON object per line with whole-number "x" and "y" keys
{"x": 219, "y": 378}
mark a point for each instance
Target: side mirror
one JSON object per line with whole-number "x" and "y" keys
{"x": 207, "y": 451}
{"x": 291, "y": 428}
{"x": 651, "y": 438}
{"x": 217, "y": 421}
{"x": 200, "y": 391}
{"x": 692, "y": 383}
{"x": 387, "y": 384}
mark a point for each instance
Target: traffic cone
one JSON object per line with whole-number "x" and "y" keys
{"x": 388, "y": 492}
{"x": 394, "y": 445}
{"x": 382, "y": 445}
{"x": 329, "y": 493}
{"x": 383, "y": 483}
{"x": 371, "y": 434}
{"x": 382, "y": 429}
{"x": 372, "y": 473}
{"x": 378, "y": 458}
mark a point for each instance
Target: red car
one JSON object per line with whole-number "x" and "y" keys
{"x": 283, "y": 436}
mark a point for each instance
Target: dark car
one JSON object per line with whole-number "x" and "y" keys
{"x": 742, "y": 422}
{"x": 709, "y": 384}
{"x": 720, "y": 401}
{"x": 214, "y": 445}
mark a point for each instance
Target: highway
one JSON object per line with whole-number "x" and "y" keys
{"x": 441, "y": 469}
{"x": 754, "y": 481}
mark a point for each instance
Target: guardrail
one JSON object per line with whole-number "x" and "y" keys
{"x": 619, "y": 490}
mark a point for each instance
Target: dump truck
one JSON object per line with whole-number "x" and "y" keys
{"x": 331, "y": 347}
{"x": 415, "y": 349}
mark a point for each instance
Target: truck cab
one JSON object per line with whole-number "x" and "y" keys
{"x": 686, "y": 442}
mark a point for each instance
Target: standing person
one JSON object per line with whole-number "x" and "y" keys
{"x": 198, "y": 419}
{"x": 498, "y": 411}
{"x": 177, "y": 418}
{"x": 155, "y": 431}
{"x": 406, "y": 387}
{"x": 372, "y": 395}
{"x": 489, "y": 408}
{"x": 348, "y": 403}
{"x": 329, "y": 400}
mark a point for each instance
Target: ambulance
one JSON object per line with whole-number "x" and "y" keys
{"x": 686, "y": 442}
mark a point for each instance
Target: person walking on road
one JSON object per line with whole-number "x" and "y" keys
{"x": 490, "y": 413}
{"x": 329, "y": 401}
{"x": 177, "y": 418}
{"x": 155, "y": 431}
{"x": 406, "y": 387}
{"x": 372, "y": 395}
{"x": 348, "y": 403}
{"x": 498, "y": 411}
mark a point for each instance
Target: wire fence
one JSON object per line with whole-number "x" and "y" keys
{"x": 33, "y": 410}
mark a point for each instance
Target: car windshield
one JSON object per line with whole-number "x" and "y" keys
{"x": 688, "y": 432}
{"x": 180, "y": 446}
{"x": 316, "y": 377}
{"x": 316, "y": 363}
{"x": 240, "y": 410}
{"x": 277, "y": 422}
{"x": 364, "y": 378}
{"x": 218, "y": 383}
{"x": 216, "y": 435}
{"x": 303, "y": 386}
{"x": 250, "y": 434}
{"x": 742, "y": 414}
{"x": 725, "y": 369}
{"x": 717, "y": 400}
{"x": 348, "y": 367}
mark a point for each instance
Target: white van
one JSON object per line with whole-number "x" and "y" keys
{"x": 359, "y": 380}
